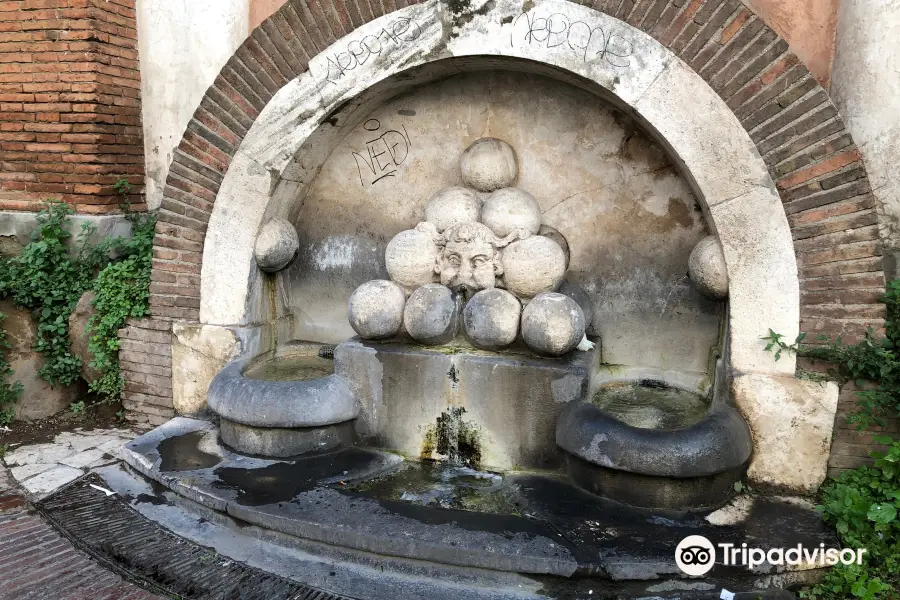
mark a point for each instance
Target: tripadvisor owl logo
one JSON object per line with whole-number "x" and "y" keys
{"x": 695, "y": 555}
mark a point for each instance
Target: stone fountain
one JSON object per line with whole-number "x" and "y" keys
{"x": 475, "y": 353}
{"x": 510, "y": 363}
{"x": 472, "y": 421}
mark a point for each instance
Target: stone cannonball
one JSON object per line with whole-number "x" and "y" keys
{"x": 582, "y": 298}
{"x": 410, "y": 258}
{"x": 491, "y": 319}
{"x": 489, "y": 164}
{"x": 509, "y": 209}
{"x": 276, "y": 245}
{"x": 533, "y": 265}
{"x": 375, "y": 309}
{"x": 554, "y": 234}
{"x": 552, "y": 324}
{"x": 707, "y": 268}
{"x": 453, "y": 206}
{"x": 431, "y": 317}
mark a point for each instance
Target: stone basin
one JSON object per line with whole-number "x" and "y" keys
{"x": 655, "y": 444}
{"x": 415, "y": 517}
{"x": 283, "y": 404}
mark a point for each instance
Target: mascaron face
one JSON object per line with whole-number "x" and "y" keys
{"x": 469, "y": 265}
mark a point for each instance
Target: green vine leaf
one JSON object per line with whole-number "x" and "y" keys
{"x": 49, "y": 277}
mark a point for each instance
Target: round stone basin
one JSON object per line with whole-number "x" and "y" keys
{"x": 655, "y": 444}
{"x": 283, "y": 404}
{"x": 294, "y": 366}
{"x": 651, "y": 406}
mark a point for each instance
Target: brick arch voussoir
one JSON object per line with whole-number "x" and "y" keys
{"x": 798, "y": 132}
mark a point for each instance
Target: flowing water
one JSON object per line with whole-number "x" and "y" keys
{"x": 437, "y": 484}
{"x": 652, "y": 407}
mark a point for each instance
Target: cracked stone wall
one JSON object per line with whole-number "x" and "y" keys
{"x": 629, "y": 218}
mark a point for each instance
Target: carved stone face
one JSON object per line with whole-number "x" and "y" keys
{"x": 470, "y": 258}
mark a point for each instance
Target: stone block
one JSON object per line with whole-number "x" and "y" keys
{"x": 763, "y": 289}
{"x": 791, "y": 422}
{"x": 51, "y": 479}
{"x": 507, "y": 404}
{"x": 706, "y": 147}
{"x": 39, "y": 399}
{"x": 198, "y": 353}
{"x": 79, "y": 336}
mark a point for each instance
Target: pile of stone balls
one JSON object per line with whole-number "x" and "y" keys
{"x": 480, "y": 242}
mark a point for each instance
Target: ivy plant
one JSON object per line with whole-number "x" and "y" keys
{"x": 874, "y": 363}
{"x": 863, "y": 506}
{"x": 48, "y": 279}
{"x": 122, "y": 291}
{"x": 9, "y": 391}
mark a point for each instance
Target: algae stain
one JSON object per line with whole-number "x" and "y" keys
{"x": 272, "y": 297}
{"x": 428, "y": 443}
{"x": 451, "y": 437}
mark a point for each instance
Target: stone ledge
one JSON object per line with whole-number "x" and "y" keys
{"x": 20, "y": 226}
{"x": 605, "y": 544}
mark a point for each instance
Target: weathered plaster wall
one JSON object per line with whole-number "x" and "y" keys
{"x": 866, "y": 89}
{"x": 260, "y": 10}
{"x": 182, "y": 47}
{"x": 630, "y": 220}
{"x": 808, "y": 26}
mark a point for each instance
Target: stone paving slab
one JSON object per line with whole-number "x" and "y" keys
{"x": 42, "y": 468}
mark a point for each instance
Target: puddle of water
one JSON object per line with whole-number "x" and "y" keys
{"x": 183, "y": 453}
{"x": 652, "y": 407}
{"x": 440, "y": 485}
{"x": 281, "y": 481}
{"x": 290, "y": 367}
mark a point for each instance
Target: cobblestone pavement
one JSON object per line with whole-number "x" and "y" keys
{"x": 37, "y": 563}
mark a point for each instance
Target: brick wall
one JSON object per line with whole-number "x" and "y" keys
{"x": 851, "y": 448}
{"x": 145, "y": 355}
{"x": 70, "y": 116}
{"x": 798, "y": 132}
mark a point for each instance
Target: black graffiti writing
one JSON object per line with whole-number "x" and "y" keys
{"x": 587, "y": 41}
{"x": 383, "y": 154}
{"x": 359, "y": 52}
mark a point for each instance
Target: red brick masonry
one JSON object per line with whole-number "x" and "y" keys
{"x": 70, "y": 113}
{"x": 794, "y": 124}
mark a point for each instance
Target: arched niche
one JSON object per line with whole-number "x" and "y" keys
{"x": 300, "y": 127}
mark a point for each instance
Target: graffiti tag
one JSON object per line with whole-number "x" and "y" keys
{"x": 586, "y": 41}
{"x": 359, "y": 52}
{"x": 383, "y": 155}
